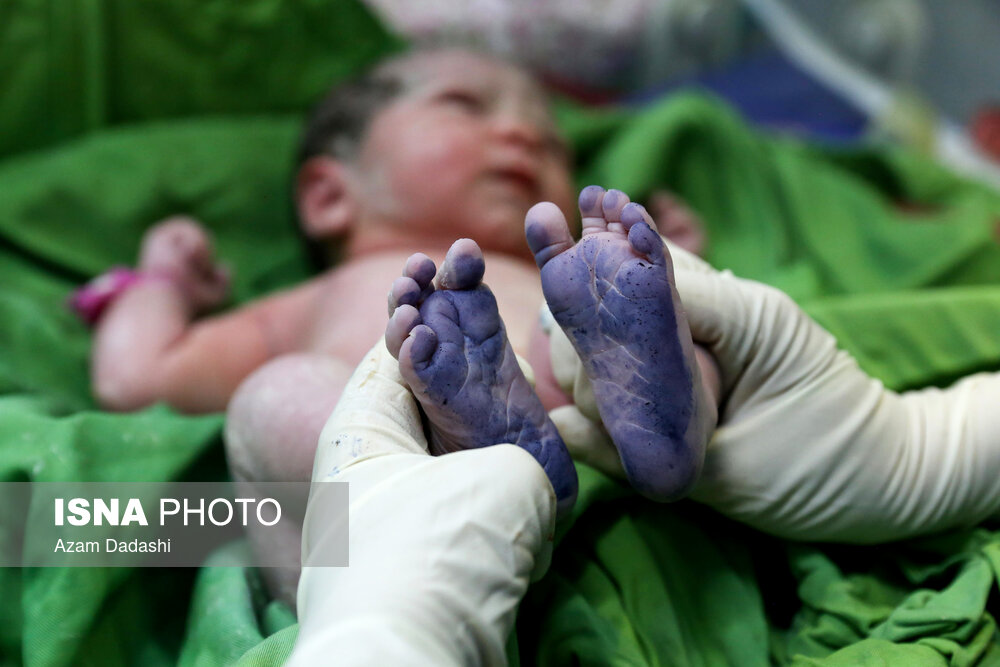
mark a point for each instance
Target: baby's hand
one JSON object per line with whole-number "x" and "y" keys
{"x": 181, "y": 249}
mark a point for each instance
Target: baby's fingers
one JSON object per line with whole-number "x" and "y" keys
{"x": 210, "y": 289}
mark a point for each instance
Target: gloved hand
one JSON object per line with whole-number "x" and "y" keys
{"x": 441, "y": 548}
{"x": 808, "y": 446}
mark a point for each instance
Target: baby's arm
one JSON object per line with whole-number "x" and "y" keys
{"x": 149, "y": 347}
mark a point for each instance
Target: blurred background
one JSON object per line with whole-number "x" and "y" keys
{"x": 926, "y": 72}
{"x": 919, "y": 71}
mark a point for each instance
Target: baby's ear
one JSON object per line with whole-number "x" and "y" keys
{"x": 325, "y": 200}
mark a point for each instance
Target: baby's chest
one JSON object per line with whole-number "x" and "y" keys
{"x": 348, "y": 322}
{"x": 352, "y": 311}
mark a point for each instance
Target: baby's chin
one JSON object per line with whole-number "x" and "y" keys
{"x": 500, "y": 229}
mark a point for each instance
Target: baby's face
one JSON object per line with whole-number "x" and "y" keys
{"x": 465, "y": 150}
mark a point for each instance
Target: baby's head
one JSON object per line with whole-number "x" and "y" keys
{"x": 427, "y": 148}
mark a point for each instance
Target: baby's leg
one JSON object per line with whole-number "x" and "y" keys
{"x": 454, "y": 354}
{"x": 272, "y": 429}
{"x": 613, "y": 295}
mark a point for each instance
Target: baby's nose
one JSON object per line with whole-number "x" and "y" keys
{"x": 519, "y": 128}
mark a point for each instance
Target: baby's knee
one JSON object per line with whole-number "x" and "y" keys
{"x": 275, "y": 417}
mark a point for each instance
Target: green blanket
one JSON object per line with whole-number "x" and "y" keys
{"x": 892, "y": 254}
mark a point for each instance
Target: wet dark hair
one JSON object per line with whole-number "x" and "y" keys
{"x": 338, "y": 123}
{"x": 337, "y": 126}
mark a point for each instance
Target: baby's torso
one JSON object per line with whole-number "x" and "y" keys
{"x": 352, "y": 310}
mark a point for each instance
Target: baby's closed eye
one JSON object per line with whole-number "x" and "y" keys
{"x": 464, "y": 100}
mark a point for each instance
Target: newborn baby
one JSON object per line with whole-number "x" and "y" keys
{"x": 424, "y": 149}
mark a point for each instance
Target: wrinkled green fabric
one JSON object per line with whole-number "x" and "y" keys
{"x": 914, "y": 295}
{"x": 73, "y": 66}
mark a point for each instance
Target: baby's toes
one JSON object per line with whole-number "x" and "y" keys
{"x": 415, "y": 353}
{"x": 612, "y": 205}
{"x": 463, "y": 266}
{"x": 401, "y": 323}
{"x": 641, "y": 233}
{"x": 591, "y": 209}
{"x": 547, "y": 232}
{"x": 633, "y": 213}
{"x": 648, "y": 243}
{"x": 404, "y": 292}
{"x": 421, "y": 269}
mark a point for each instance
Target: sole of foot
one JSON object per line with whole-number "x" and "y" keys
{"x": 613, "y": 294}
{"x": 454, "y": 354}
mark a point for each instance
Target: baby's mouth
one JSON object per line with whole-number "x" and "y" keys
{"x": 522, "y": 181}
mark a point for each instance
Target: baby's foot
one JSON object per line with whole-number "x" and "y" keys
{"x": 454, "y": 354}
{"x": 613, "y": 295}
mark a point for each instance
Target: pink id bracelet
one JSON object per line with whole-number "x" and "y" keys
{"x": 90, "y": 301}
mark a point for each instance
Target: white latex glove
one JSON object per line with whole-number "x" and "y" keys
{"x": 441, "y": 548}
{"x": 809, "y": 447}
